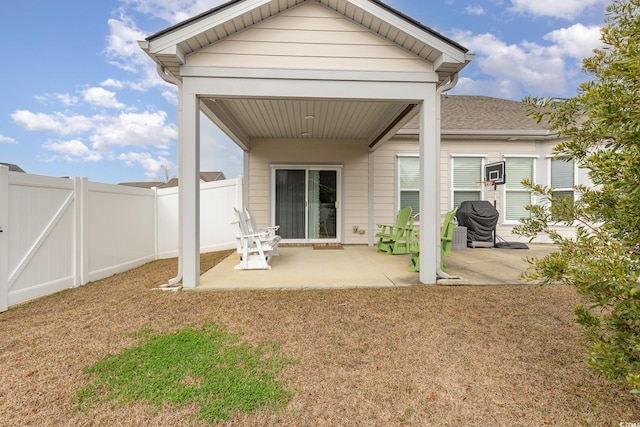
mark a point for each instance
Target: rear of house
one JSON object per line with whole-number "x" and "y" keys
{"x": 476, "y": 131}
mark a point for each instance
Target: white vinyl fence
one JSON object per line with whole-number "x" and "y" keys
{"x": 58, "y": 233}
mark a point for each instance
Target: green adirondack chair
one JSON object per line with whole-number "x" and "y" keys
{"x": 446, "y": 241}
{"x": 446, "y": 237}
{"x": 395, "y": 239}
{"x": 414, "y": 248}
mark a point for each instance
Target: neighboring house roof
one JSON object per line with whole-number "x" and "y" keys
{"x": 173, "y": 182}
{"x": 13, "y": 167}
{"x": 485, "y": 116}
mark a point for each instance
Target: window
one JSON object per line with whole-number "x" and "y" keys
{"x": 409, "y": 177}
{"x": 467, "y": 171}
{"x": 516, "y": 195}
{"x": 562, "y": 178}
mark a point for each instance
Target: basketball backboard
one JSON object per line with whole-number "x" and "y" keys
{"x": 495, "y": 172}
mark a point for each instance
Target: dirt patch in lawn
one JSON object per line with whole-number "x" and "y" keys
{"x": 410, "y": 356}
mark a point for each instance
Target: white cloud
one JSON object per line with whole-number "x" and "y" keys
{"x": 475, "y": 10}
{"x": 566, "y": 9}
{"x": 122, "y": 44}
{"x": 101, "y": 98}
{"x": 104, "y": 131}
{"x": 174, "y": 11}
{"x": 577, "y": 41}
{"x": 73, "y": 150}
{"x": 116, "y": 84}
{"x": 123, "y": 51}
{"x": 134, "y": 129}
{"x": 7, "y": 140}
{"x": 528, "y": 66}
{"x": 63, "y": 98}
{"x": 154, "y": 167}
{"x": 57, "y": 123}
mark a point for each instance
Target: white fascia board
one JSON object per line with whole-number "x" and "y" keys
{"x": 410, "y": 29}
{"x": 488, "y": 133}
{"x": 194, "y": 28}
{"x": 305, "y": 74}
{"x": 174, "y": 51}
{"x": 445, "y": 58}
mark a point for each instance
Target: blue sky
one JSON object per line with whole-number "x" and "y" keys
{"x": 79, "y": 98}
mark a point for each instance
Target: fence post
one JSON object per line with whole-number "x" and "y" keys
{"x": 81, "y": 248}
{"x": 4, "y": 238}
{"x": 77, "y": 232}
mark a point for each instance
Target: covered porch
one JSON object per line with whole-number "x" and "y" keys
{"x": 359, "y": 266}
{"x": 305, "y": 87}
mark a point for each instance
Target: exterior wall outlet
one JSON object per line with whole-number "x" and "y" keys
{"x": 355, "y": 229}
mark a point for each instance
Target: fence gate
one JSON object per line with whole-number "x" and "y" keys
{"x": 39, "y": 236}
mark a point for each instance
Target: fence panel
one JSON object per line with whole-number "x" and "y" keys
{"x": 217, "y": 232}
{"x": 57, "y": 233}
{"x": 40, "y": 236}
{"x": 119, "y": 228}
{"x": 217, "y": 200}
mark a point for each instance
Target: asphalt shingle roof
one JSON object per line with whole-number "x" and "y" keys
{"x": 464, "y": 112}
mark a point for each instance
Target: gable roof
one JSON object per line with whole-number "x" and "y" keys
{"x": 173, "y": 182}
{"x": 485, "y": 116}
{"x": 13, "y": 167}
{"x": 170, "y": 47}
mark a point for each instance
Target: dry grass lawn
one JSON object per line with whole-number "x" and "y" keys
{"x": 441, "y": 356}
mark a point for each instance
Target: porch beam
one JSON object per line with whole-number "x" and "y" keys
{"x": 330, "y": 75}
{"x": 305, "y": 89}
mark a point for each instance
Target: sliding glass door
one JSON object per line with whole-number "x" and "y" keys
{"x": 306, "y": 203}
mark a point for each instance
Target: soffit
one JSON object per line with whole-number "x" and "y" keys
{"x": 306, "y": 119}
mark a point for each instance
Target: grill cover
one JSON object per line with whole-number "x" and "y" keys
{"x": 480, "y": 218}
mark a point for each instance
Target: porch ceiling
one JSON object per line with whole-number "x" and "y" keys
{"x": 254, "y": 118}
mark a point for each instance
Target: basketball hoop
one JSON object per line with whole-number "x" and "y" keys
{"x": 487, "y": 183}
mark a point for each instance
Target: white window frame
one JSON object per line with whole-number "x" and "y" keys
{"x": 452, "y": 188}
{"x": 399, "y": 190}
{"x": 550, "y": 159}
{"x": 503, "y": 196}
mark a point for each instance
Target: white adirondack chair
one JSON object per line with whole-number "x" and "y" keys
{"x": 256, "y": 247}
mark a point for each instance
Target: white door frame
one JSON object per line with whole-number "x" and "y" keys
{"x": 307, "y": 167}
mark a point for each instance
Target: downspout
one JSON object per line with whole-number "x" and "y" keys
{"x": 439, "y": 91}
{"x": 174, "y": 81}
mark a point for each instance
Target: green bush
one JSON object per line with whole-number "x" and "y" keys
{"x": 601, "y": 127}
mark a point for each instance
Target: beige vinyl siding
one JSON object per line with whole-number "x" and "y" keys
{"x": 385, "y": 179}
{"x": 351, "y": 155}
{"x": 309, "y": 37}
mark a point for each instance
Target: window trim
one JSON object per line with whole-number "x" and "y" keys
{"x": 503, "y": 192}
{"x": 549, "y": 159}
{"x": 398, "y": 195}
{"x": 452, "y": 188}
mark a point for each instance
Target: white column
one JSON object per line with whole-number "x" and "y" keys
{"x": 4, "y": 238}
{"x": 189, "y": 187}
{"x": 429, "y": 191}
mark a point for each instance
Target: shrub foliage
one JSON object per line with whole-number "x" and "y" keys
{"x": 600, "y": 128}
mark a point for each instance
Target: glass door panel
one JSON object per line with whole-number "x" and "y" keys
{"x": 323, "y": 193}
{"x": 290, "y": 203}
{"x": 306, "y": 202}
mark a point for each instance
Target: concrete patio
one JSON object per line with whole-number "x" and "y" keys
{"x": 362, "y": 266}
